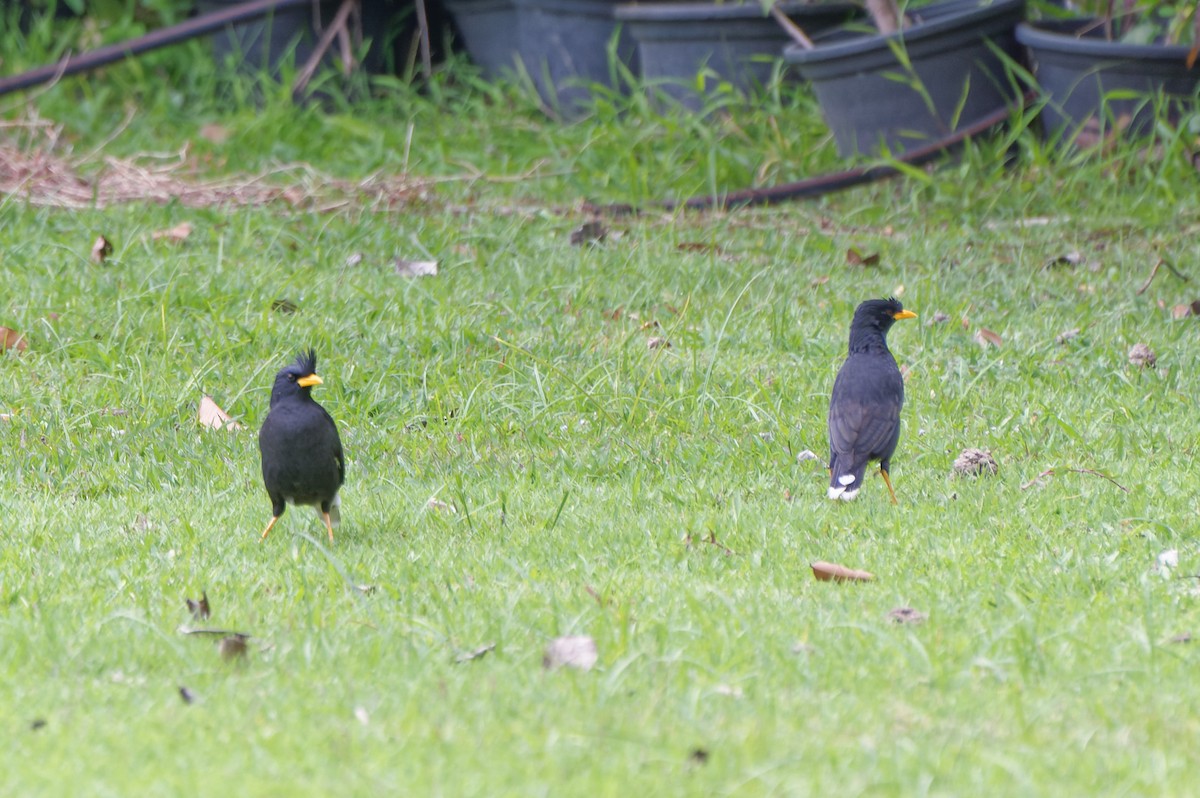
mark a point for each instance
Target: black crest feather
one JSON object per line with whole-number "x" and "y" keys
{"x": 307, "y": 362}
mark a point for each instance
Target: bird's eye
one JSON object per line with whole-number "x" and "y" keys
{"x": 291, "y": 378}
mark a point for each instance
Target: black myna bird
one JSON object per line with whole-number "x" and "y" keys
{"x": 864, "y": 410}
{"x": 302, "y": 460}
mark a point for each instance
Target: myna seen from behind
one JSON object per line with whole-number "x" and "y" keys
{"x": 302, "y": 459}
{"x": 864, "y": 410}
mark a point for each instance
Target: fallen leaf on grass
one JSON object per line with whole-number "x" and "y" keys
{"x": 658, "y": 343}
{"x": 199, "y": 609}
{"x": 232, "y": 647}
{"x": 574, "y": 651}
{"x": 101, "y": 249}
{"x": 1142, "y": 356}
{"x": 435, "y": 503}
{"x": 284, "y": 306}
{"x": 478, "y": 653}
{"x": 213, "y": 417}
{"x": 938, "y": 318}
{"x": 11, "y": 339}
{"x": 985, "y": 338}
{"x": 1072, "y": 258}
{"x": 588, "y": 233}
{"x": 416, "y": 268}
{"x": 1181, "y": 312}
{"x": 217, "y": 134}
{"x": 807, "y": 454}
{"x": 907, "y": 615}
{"x": 855, "y": 258}
{"x": 1066, "y": 335}
{"x": 697, "y": 246}
{"x": 174, "y": 235}
{"x": 973, "y": 462}
{"x": 832, "y": 572}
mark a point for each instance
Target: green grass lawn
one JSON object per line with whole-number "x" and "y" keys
{"x": 650, "y": 498}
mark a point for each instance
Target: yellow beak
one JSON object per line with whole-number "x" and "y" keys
{"x": 904, "y": 314}
{"x": 309, "y": 381}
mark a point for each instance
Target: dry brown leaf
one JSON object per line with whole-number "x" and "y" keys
{"x": 855, "y": 258}
{"x": 697, "y": 246}
{"x": 416, "y": 268}
{"x": 471, "y": 656}
{"x": 232, "y": 647}
{"x": 588, "y": 233}
{"x": 173, "y": 235}
{"x": 985, "y": 338}
{"x": 1142, "y": 356}
{"x": 1181, "y": 312}
{"x": 574, "y": 651}
{"x": 832, "y": 572}
{"x": 435, "y": 503}
{"x": 819, "y": 280}
{"x": 657, "y": 343}
{"x": 215, "y": 133}
{"x": 11, "y": 339}
{"x": 199, "y": 609}
{"x": 213, "y": 417}
{"x": 973, "y": 462}
{"x": 101, "y": 249}
{"x": 907, "y": 615}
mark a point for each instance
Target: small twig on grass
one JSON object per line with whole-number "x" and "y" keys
{"x": 1049, "y": 472}
{"x": 1154, "y": 273}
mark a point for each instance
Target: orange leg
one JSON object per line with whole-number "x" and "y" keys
{"x": 268, "y": 529}
{"x": 888, "y": 481}
{"x": 328, "y": 525}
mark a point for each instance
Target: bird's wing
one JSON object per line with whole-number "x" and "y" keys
{"x": 864, "y": 409}
{"x": 859, "y": 430}
{"x": 337, "y": 448}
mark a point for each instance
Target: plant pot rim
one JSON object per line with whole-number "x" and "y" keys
{"x": 1057, "y": 35}
{"x": 738, "y": 9}
{"x": 944, "y": 17}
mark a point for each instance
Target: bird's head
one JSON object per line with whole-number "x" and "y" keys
{"x": 876, "y": 317}
{"x": 880, "y": 314}
{"x": 296, "y": 379}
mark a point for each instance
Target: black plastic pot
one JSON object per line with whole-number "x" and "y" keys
{"x": 955, "y": 74}
{"x": 1090, "y": 81}
{"x": 265, "y": 43}
{"x": 561, "y": 44}
{"x": 289, "y": 35}
{"x": 681, "y": 45}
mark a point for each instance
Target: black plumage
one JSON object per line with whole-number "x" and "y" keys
{"x": 864, "y": 410}
{"x": 302, "y": 460}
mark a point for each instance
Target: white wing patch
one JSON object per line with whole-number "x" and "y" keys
{"x": 845, "y": 479}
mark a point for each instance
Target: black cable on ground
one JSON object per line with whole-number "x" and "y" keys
{"x": 821, "y": 184}
{"x": 163, "y": 37}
